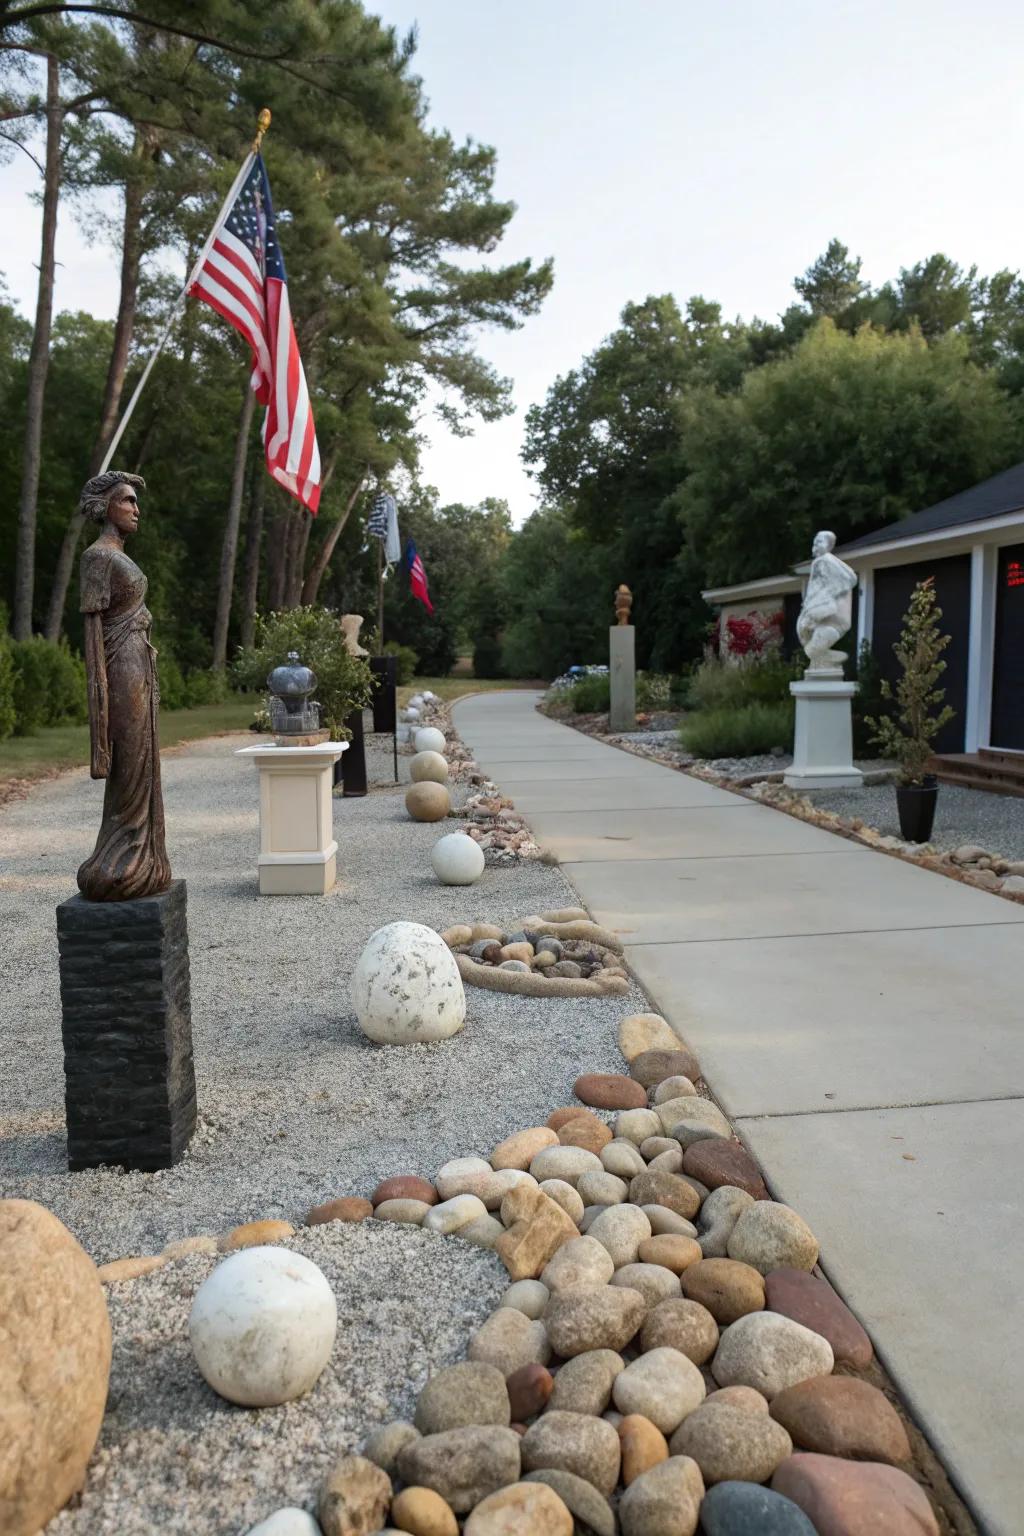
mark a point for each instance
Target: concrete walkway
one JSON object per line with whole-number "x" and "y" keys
{"x": 861, "y": 1021}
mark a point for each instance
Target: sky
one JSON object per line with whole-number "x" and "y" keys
{"x": 681, "y": 146}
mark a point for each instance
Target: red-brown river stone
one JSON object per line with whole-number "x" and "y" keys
{"x": 528, "y": 1391}
{"x": 841, "y": 1416}
{"x": 810, "y": 1300}
{"x": 610, "y": 1090}
{"x": 405, "y": 1186}
{"x": 846, "y": 1498}
{"x": 348, "y": 1208}
{"x": 716, "y": 1163}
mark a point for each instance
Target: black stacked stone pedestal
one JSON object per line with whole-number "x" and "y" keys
{"x": 130, "y": 1085}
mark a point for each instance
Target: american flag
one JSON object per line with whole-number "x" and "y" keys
{"x": 417, "y": 576}
{"x": 242, "y": 277}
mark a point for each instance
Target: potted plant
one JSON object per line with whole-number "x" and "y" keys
{"x": 909, "y": 733}
{"x": 344, "y": 682}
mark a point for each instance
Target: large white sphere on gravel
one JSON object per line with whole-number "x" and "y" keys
{"x": 429, "y": 739}
{"x": 428, "y": 767}
{"x": 262, "y": 1326}
{"x": 457, "y": 860}
{"x": 410, "y": 714}
{"x": 406, "y": 986}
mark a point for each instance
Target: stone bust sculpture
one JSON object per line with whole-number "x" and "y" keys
{"x": 130, "y": 857}
{"x": 623, "y": 604}
{"x": 827, "y": 611}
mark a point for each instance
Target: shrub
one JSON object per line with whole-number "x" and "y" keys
{"x": 8, "y": 715}
{"x": 653, "y": 691}
{"x": 720, "y": 684}
{"x": 173, "y": 694}
{"x": 344, "y": 681}
{"x": 487, "y": 657}
{"x": 49, "y": 685}
{"x": 745, "y": 730}
{"x": 205, "y": 686}
{"x": 918, "y": 715}
{"x": 407, "y": 660}
{"x": 592, "y": 695}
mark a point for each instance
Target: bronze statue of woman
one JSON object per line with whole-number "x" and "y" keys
{"x": 130, "y": 858}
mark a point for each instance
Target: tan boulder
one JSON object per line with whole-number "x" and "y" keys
{"x": 55, "y": 1361}
{"x": 537, "y": 1228}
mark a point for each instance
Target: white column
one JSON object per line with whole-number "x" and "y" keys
{"x": 298, "y": 851}
{"x": 866, "y": 608}
{"x": 981, "y": 637}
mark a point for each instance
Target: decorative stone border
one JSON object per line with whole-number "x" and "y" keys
{"x": 699, "y": 1342}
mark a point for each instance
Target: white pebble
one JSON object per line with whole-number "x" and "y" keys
{"x": 287, "y": 1522}
{"x": 450, "y": 1215}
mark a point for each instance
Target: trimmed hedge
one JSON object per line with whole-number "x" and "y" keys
{"x": 745, "y": 731}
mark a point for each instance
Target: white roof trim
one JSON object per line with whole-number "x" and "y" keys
{"x": 766, "y": 586}
{"x": 968, "y": 533}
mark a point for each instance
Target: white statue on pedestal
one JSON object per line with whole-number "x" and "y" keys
{"x": 827, "y": 611}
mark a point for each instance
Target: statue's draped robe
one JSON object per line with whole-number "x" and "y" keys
{"x": 130, "y": 857}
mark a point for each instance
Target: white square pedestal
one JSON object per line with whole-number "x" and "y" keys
{"x": 298, "y": 853}
{"x": 823, "y": 741}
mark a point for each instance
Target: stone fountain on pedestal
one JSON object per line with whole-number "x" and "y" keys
{"x": 823, "y": 739}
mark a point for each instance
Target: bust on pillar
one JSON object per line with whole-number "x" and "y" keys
{"x": 622, "y": 665}
{"x": 823, "y": 740}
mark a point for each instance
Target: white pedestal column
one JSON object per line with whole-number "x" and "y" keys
{"x": 298, "y": 853}
{"x": 622, "y": 677}
{"x": 823, "y": 741}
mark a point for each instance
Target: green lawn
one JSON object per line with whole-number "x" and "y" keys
{"x": 67, "y": 746}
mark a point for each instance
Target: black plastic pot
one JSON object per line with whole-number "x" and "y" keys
{"x": 385, "y": 670}
{"x": 351, "y": 768}
{"x": 916, "y": 806}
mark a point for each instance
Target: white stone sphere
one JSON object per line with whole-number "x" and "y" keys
{"x": 430, "y": 697}
{"x": 412, "y": 713}
{"x": 456, "y": 859}
{"x": 262, "y": 1326}
{"x": 416, "y": 702}
{"x": 428, "y": 766}
{"x": 406, "y": 986}
{"x": 429, "y": 739}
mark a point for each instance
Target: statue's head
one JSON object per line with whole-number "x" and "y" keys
{"x": 111, "y": 498}
{"x": 824, "y": 543}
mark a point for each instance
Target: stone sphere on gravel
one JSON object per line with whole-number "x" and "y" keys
{"x": 456, "y": 859}
{"x": 262, "y": 1326}
{"x": 428, "y": 768}
{"x": 428, "y": 801}
{"x": 406, "y": 986}
{"x": 429, "y": 739}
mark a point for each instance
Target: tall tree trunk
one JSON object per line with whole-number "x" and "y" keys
{"x": 253, "y": 535}
{"x": 303, "y": 522}
{"x": 277, "y": 555}
{"x": 131, "y": 258}
{"x": 229, "y": 547}
{"x": 311, "y": 586}
{"x": 38, "y": 364}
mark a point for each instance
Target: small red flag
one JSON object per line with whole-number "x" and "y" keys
{"x": 417, "y": 576}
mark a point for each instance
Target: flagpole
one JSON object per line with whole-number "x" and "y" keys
{"x": 262, "y": 124}
{"x": 380, "y": 596}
